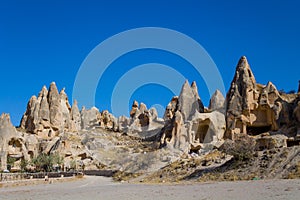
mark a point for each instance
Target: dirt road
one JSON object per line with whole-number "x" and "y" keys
{"x": 104, "y": 188}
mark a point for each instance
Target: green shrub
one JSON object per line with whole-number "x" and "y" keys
{"x": 45, "y": 162}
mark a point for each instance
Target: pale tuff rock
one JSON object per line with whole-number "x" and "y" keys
{"x": 50, "y": 114}
{"x": 217, "y": 102}
{"x": 11, "y": 142}
{"x": 44, "y": 112}
{"x": 192, "y": 132}
{"x": 108, "y": 121}
{"x": 142, "y": 123}
{"x": 92, "y": 118}
{"x": 189, "y": 101}
{"x": 50, "y": 125}
{"x": 171, "y": 109}
{"x": 65, "y": 110}
{"x": 75, "y": 117}
{"x": 251, "y": 107}
{"x": 206, "y": 128}
{"x": 123, "y": 123}
{"x": 257, "y": 109}
{"x": 56, "y": 116}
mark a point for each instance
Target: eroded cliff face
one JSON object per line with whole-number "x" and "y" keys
{"x": 253, "y": 108}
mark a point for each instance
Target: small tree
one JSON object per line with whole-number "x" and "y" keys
{"x": 45, "y": 162}
{"x": 10, "y": 162}
{"x": 57, "y": 160}
{"x": 23, "y": 165}
{"x": 73, "y": 164}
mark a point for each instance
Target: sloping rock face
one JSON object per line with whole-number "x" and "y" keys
{"x": 253, "y": 108}
{"x": 187, "y": 128}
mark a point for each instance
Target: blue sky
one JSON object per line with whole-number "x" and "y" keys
{"x": 45, "y": 41}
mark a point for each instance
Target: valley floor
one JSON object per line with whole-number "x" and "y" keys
{"x": 92, "y": 187}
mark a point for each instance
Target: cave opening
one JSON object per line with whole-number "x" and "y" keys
{"x": 291, "y": 143}
{"x": 256, "y": 130}
{"x": 201, "y": 132}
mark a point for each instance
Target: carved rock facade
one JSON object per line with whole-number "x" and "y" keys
{"x": 187, "y": 128}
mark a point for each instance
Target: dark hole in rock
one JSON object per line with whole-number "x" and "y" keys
{"x": 252, "y": 130}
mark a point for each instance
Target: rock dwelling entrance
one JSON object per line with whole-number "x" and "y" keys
{"x": 202, "y": 131}
{"x": 256, "y": 130}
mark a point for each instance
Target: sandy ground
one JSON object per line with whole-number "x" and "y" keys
{"x": 104, "y": 188}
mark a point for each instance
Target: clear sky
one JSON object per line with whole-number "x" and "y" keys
{"x": 45, "y": 41}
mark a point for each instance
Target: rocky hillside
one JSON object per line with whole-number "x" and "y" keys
{"x": 248, "y": 134}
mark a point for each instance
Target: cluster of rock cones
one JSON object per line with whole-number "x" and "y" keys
{"x": 50, "y": 124}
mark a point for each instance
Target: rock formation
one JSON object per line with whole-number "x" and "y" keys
{"x": 250, "y": 106}
{"x": 254, "y": 108}
{"x": 49, "y": 114}
{"x": 143, "y": 122}
{"x": 187, "y": 127}
{"x": 50, "y": 124}
{"x": 189, "y": 101}
{"x": 75, "y": 117}
{"x": 93, "y": 118}
{"x": 217, "y": 102}
{"x": 13, "y": 144}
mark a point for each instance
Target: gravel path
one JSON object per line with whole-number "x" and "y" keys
{"x": 104, "y": 188}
